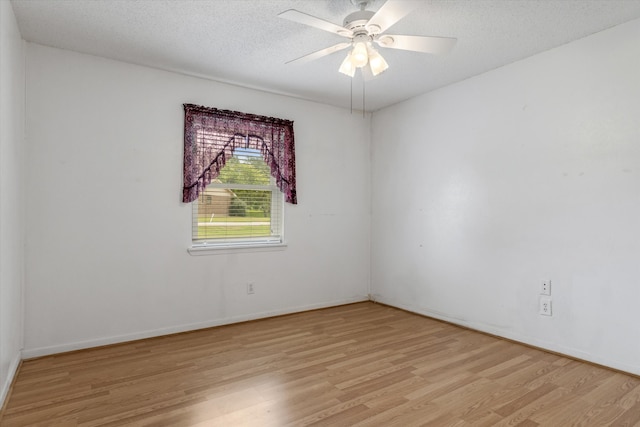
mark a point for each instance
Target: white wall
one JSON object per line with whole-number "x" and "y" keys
{"x": 528, "y": 172}
{"x": 11, "y": 200}
{"x": 107, "y": 241}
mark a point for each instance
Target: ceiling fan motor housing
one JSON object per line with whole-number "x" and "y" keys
{"x": 357, "y": 21}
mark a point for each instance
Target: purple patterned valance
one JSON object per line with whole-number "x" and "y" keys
{"x": 211, "y": 136}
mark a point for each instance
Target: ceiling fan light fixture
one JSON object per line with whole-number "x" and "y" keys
{"x": 359, "y": 55}
{"x": 347, "y": 66}
{"x": 377, "y": 62}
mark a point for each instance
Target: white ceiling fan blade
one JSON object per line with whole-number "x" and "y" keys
{"x": 320, "y": 53}
{"x": 425, "y": 44}
{"x": 390, "y": 13}
{"x": 312, "y": 21}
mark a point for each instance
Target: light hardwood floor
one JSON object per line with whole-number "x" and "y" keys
{"x": 359, "y": 364}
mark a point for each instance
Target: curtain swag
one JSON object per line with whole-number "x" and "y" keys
{"x": 211, "y": 136}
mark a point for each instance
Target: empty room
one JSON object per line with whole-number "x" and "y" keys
{"x": 306, "y": 212}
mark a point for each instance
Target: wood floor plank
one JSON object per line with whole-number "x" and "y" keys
{"x": 558, "y": 398}
{"x": 359, "y": 364}
{"x": 524, "y": 400}
{"x": 631, "y": 417}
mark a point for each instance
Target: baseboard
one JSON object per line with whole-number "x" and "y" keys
{"x": 527, "y": 340}
{"x": 11, "y": 375}
{"x": 63, "y": 348}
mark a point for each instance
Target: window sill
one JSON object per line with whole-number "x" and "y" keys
{"x": 220, "y": 249}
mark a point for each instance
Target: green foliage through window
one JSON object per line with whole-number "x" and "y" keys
{"x": 243, "y": 169}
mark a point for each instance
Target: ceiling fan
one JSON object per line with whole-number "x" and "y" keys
{"x": 365, "y": 27}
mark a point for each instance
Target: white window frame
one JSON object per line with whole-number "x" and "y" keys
{"x": 249, "y": 244}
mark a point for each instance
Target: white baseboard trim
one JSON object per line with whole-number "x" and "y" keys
{"x": 55, "y": 349}
{"x": 510, "y": 335}
{"x": 13, "y": 370}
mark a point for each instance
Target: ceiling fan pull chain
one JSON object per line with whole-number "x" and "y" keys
{"x": 363, "y": 80}
{"x": 351, "y": 95}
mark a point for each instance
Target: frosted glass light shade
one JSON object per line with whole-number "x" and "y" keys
{"x": 359, "y": 55}
{"x": 347, "y": 66}
{"x": 377, "y": 63}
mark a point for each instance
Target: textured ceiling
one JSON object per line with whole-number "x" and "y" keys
{"x": 244, "y": 42}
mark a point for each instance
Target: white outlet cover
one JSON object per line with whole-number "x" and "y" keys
{"x": 545, "y": 306}
{"x": 545, "y": 287}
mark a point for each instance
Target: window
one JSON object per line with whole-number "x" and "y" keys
{"x": 239, "y": 169}
{"x": 241, "y": 206}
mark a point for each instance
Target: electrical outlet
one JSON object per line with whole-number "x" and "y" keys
{"x": 545, "y": 306}
{"x": 545, "y": 289}
{"x": 250, "y": 289}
